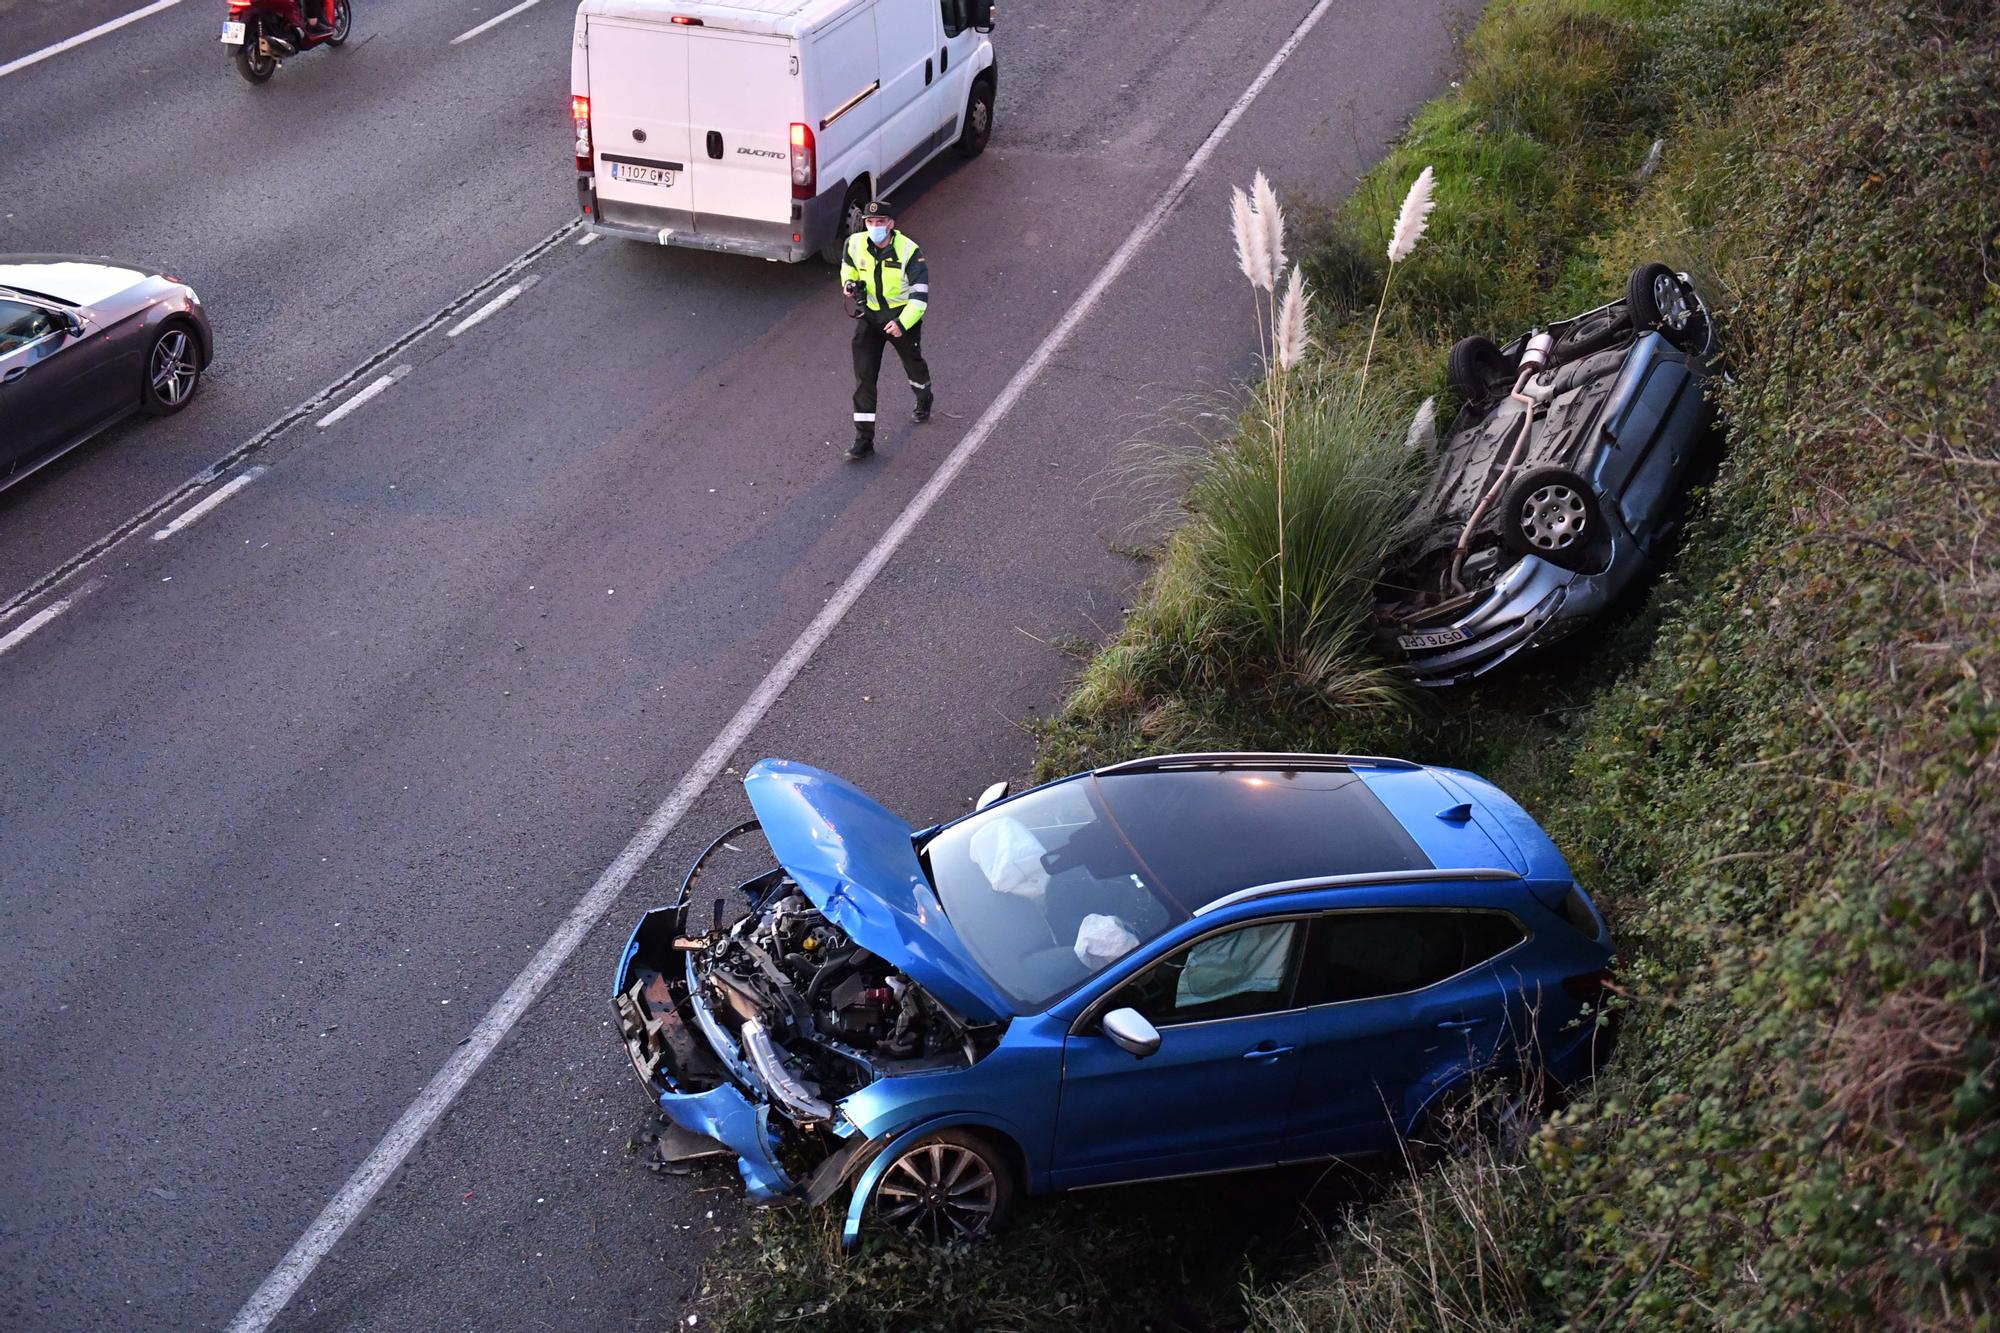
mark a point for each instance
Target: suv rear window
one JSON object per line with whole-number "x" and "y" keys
{"x": 1361, "y": 955}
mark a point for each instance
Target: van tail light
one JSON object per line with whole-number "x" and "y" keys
{"x": 579, "y": 114}
{"x": 805, "y": 163}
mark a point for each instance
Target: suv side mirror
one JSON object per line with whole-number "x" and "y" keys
{"x": 989, "y": 796}
{"x": 1129, "y": 1031}
{"x": 982, "y": 15}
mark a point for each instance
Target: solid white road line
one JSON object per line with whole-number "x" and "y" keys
{"x": 373, "y": 390}
{"x": 494, "y": 22}
{"x": 585, "y": 239}
{"x": 437, "y": 1096}
{"x": 82, "y": 37}
{"x": 198, "y": 512}
{"x": 491, "y": 307}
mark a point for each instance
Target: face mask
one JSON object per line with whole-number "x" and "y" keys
{"x": 877, "y": 235}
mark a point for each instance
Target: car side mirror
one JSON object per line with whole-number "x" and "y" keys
{"x": 72, "y": 325}
{"x": 990, "y": 795}
{"x": 1129, "y": 1031}
{"x": 982, "y": 15}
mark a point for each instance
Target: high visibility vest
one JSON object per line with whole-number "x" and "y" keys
{"x": 898, "y": 282}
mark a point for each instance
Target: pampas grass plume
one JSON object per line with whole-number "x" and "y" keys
{"x": 1410, "y": 223}
{"x": 1291, "y": 326}
{"x": 1252, "y": 253}
{"x": 1272, "y": 218}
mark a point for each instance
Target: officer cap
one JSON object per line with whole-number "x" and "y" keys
{"x": 879, "y": 208}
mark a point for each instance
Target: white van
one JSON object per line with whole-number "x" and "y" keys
{"x": 764, "y": 127}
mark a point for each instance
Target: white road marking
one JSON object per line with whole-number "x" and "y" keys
{"x": 372, "y": 391}
{"x": 42, "y": 617}
{"x": 493, "y": 306}
{"x": 494, "y": 22}
{"x": 352, "y": 1200}
{"x": 198, "y": 512}
{"x": 96, "y": 551}
{"x": 82, "y": 37}
{"x": 585, "y": 239}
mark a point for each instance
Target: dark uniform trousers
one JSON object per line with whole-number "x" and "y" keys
{"x": 868, "y": 340}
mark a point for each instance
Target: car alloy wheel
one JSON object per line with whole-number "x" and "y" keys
{"x": 1554, "y": 517}
{"x": 1670, "y": 296}
{"x": 173, "y": 368}
{"x": 941, "y": 1189}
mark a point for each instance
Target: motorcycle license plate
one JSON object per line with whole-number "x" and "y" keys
{"x": 1433, "y": 638}
{"x": 625, "y": 171}
{"x": 232, "y": 34}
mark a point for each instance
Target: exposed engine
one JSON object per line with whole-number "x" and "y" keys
{"x": 813, "y": 1014}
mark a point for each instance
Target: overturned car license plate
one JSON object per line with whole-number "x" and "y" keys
{"x": 232, "y": 34}
{"x": 1430, "y": 638}
{"x": 626, "y": 171}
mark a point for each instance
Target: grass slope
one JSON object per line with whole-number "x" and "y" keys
{"x": 1778, "y": 773}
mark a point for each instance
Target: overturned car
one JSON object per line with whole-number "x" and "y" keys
{"x": 1560, "y": 483}
{"x": 1027, "y": 999}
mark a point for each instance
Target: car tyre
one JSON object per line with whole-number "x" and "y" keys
{"x": 978, "y": 119}
{"x": 955, "y": 1184}
{"x": 851, "y": 209}
{"x": 1551, "y": 512}
{"x": 1483, "y": 1112}
{"x": 172, "y": 369}
{"x": 1660, "y": 299}
{"x": 1475, "y": 368}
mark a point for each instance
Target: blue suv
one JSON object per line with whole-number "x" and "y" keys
{"x": 1178, "y": 965}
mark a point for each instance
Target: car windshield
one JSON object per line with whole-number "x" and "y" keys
{"x": 1044, "y": 891}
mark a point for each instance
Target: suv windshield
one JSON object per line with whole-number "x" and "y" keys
{"x": 1044, "y": 891}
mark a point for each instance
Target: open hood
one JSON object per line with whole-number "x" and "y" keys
{"x": 855, "y": 860}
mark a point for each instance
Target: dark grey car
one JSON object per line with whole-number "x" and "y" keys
{"x": 1560, "y": 484}
{"x": 85, "y": 342}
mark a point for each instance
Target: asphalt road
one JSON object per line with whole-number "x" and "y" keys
{"x": 288, "y": 798}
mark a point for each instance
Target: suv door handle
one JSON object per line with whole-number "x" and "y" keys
{"x": 1266, "y": 1052}
{"x": 13, "y": 373}
{"x": 1460, "y": 1024}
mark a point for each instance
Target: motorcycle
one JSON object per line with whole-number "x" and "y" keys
{"x": 266, "y": 31}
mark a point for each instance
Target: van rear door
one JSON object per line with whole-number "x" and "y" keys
{"x": 639, "y": 113}
{"x": 742, "y": 94}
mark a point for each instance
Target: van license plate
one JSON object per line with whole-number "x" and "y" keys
{"x": 625, "y": 171}
{"x": 232, "y": 34}
{"x": 1432, "y": 638}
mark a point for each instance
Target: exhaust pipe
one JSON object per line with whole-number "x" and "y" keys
{"x": 1533, "y": 357}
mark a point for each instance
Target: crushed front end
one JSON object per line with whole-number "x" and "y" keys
{"x": 751, "y": 1033}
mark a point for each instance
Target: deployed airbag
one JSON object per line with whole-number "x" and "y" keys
{"x": 1251, "y": 960}
{"x": 1010, "y": 857}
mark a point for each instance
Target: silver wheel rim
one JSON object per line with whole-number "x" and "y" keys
{"x": 343, "y": 19}
{"x": 1553, "y": 517}
{"x": 946, "y": 1191}
{"x": 173, "y": 368}
{"x": 982, "y": 116}
{"x": 1668, "y": 295}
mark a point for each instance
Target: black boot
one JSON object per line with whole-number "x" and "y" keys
{"x": 922, "y": 411}
{"x": 860, "y": 449}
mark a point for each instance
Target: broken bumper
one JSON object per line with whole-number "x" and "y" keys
{"x": 696, "y": 1075}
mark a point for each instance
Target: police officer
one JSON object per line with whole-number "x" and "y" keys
{"x": 883, "y": 272}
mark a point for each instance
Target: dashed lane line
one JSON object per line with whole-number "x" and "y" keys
{"x": 90, "y": 554}
{"x": 437, "y": 1096}
{"x": 36, "y": 57}
{"x": 19, "y": 634}
{"x": 493, "y": 306}
{"x": 494, "y": 22}
{"x": 373, "y": 391}
{"x": 200, "y": 511}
